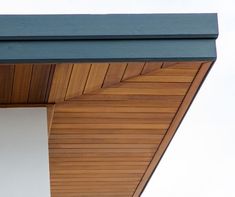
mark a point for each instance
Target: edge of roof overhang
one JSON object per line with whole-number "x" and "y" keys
{"x": 112, "y": 37}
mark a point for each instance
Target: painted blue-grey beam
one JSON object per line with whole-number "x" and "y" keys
{"x": 86, "y": 38}
{"x": 112, "y": 26}
{"x": 108, "y": 50}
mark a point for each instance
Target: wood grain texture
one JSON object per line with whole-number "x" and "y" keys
{"x": 6, "y": 82}
{"x": 21, "y": 85}
{"x": 133, "y": 69}
{"x": 96, "y": 77}
{"x": 173, "y": 127}
{"x": 50, "y": 116}
{"x": 60, "y": 83}
{"x": 78, "y": 80}
{"x": 39, "y": 83}
{"x": 151, "y": 66}
{"x": 114, "y": 74}
{"x": 111, "y": 122}
{"x": 125, "y": 121}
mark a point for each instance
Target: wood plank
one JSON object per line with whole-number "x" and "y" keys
{"x": 151, "y": 66}
{"x": 152, "y": 85}
{"x": 169, "y": 64}
{"x": 105, "y": 163}
{"x": 88, "y": 194}
{"x": 50, "y": 78}
{"x": 21, "y": 85}
{"x": 167, "y": 91}
{"x": 50, "y": 115}
{"x": 103, "y": 156}
{"x": 133, "y": 69}
{"x": 101, "y": 152}
{"x": 109, "y": 156}
{"x": 110, "y": 140}
{"x": 114, "y": 74}
{"x": 101, "y": 159}
{"x": 115, "y": 97}
{"x": 183, "y": 65}
{"x": 172, "y": 129}
{"x": 89, "y": 171}
{"x": 112, "y": 109}
{"x": 78, "y": 80}
{"x": 6, "y": 82}
{"x": 159, "y": 101}
{"x": 69, "y": 177}
{"x": 105, "y": 136}
{"x": 96, "y": 77}
{"x": 39, "y": 83}
{"x": 60, "y": 82}
{"x": 111, "y": 126}
{"x": 113, "y": 131}
{"x": 102, "y": 183}
{"x": 114, "y": 146}
{"x": 96, "y": 189}
{"x": 166, "y": 78}
{"x": 136, "y": 116}
{"x": 110, "y": 121}
{"x": 173, "y": 72}
{"x": 57, "y": 168}
{"x": 92, "y": 184}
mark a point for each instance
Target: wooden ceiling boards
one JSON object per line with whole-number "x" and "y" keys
{"x": 109, "y": 123}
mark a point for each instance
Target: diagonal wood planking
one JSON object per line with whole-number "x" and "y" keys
{"x": 111, "y": 122}
{"x": 112, "y": 134}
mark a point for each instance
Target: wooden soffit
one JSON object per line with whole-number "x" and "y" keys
{"x": 109, "y": 123}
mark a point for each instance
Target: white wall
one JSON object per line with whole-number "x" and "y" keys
{"x": 24, "y": 165}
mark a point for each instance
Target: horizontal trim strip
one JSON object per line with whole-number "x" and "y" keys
{"x": 107, "y": 51}
{"x": 111, "y": 26}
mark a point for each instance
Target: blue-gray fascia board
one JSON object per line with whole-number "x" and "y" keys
{"x": 110, "y": 26}
{"x": 90, "y": 38}
{"x": 108, "y": 50}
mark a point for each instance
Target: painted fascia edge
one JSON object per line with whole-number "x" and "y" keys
{"x": 110, "y": 26}
{"x": 107, "y": 51}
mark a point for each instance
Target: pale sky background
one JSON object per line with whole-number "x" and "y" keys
{"x": 200, "y": 161}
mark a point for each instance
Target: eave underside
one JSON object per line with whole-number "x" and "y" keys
{"x": 109, "y": 123}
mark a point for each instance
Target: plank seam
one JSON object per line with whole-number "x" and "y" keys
{"x": 105, "y": 76}
{"x": 88, "y": 74}
{"x": 70, "y": 75}
{"x": 49, "y": 82}
{"x": 30, "y": 82}
{"x": 124, "y": 72}
{"x": 12, "y": 86}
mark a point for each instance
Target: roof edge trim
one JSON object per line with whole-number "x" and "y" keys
{"x": 109, "y": 26}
